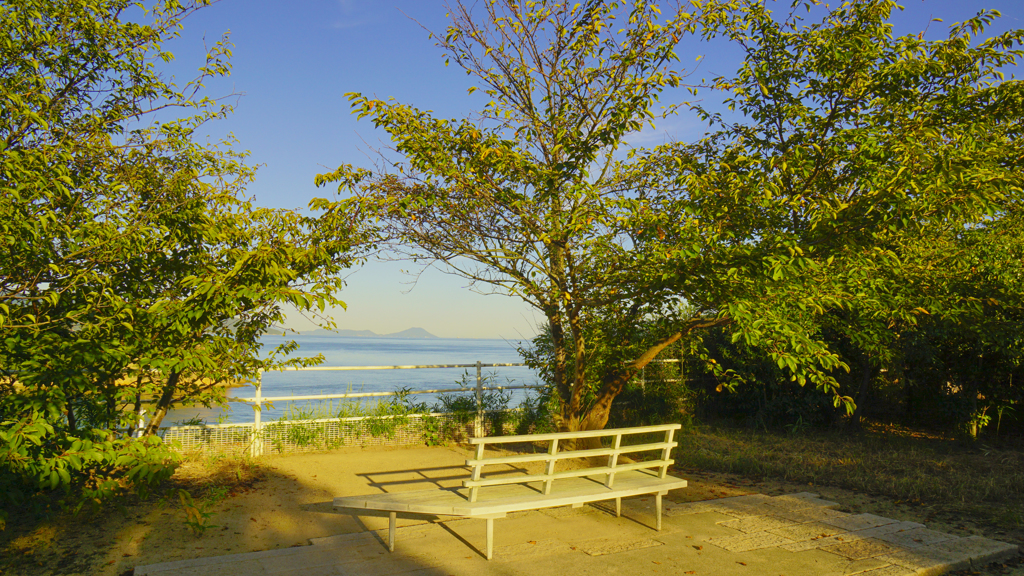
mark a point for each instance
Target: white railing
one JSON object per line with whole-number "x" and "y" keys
{"x": 256, "y": 446}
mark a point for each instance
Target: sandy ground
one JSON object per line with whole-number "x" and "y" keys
{"x": 286, "y": 500}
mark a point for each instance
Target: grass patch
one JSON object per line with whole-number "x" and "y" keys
{"x": 199, "y": 473}
{"x": 985, "y": 482}
{"x": 48, "y": 538}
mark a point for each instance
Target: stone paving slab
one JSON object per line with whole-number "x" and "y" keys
{"x": 915, "y": 538}
{"x": 810, "y": 514}
{"x": 800, "y": 501}
{"x": 745, "y": 506}
{"x": 756, "y": 523}
{"x": 886, "y": 529}
{"x": 890, "y": 570}
{"x": 853, "y": 523}
{"x": 822, "y": 542}
{"x": 861, "y": 549}
{"x": 806, "y": 531}
{"x": 864, "y": 565}
{"x": 978, "y": 548}
{"x": 953, "y": 554}
{"x": 747, "y": 542}
{"x": 927, "y": 563}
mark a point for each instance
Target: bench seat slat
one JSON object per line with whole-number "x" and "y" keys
{"x": 512, "y": 498}
{"x": 584, "y": 434}
{"x": 631, "y": 449}
{"x": 595, "y": 492}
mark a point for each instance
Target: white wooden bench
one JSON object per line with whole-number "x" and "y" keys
{"x": 496, "y": 496}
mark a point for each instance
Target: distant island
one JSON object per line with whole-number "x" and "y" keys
{"x": 410, "y": 333}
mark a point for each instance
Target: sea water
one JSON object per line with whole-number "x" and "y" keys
{"x": 348, "y": 351}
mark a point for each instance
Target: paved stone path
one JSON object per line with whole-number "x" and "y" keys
{"x": 799, "y": 522}
{"x": 754, "y": 535}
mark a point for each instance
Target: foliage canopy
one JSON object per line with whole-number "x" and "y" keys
{"x": 813, "y": 204}
{"x": 135, "y": 273}
{"x": 853, "y": 152}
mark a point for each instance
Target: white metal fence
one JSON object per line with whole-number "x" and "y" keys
{"x": 282, "y": 436}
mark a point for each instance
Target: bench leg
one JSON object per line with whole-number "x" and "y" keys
{"x": 657, "y": 504}
{"x": 392, "y": 520}
{"x": 490, "y": 538}
{"x": 618, "y": 507}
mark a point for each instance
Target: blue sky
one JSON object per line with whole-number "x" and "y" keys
{"x": 294, "y": 61}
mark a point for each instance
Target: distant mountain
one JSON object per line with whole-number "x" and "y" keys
{"x": 355, "y": 333}
{"x": 410, "y": 333}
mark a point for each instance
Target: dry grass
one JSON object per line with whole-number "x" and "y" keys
{"x": 198, "y": 473}
{"x": 982, "y": 482}
{"x": 48, "y": 540}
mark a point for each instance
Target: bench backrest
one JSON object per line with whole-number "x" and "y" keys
{"x": 553, "y": 455}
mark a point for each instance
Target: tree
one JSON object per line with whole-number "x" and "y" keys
{"x": 134, "y": 271}
{"x": 849, "y": 152}
{"x": 526, "y": 199}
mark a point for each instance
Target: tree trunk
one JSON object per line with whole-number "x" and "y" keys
{"x": 164, "y": 403}
{"x": 112, "y": 413}
{"x": 597, "y": 417}
{"x": 579, "y": 377}
{"x": 562, "y": 385}
{"x": 862, "y": 394}
{"x": 72, "y": 423}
